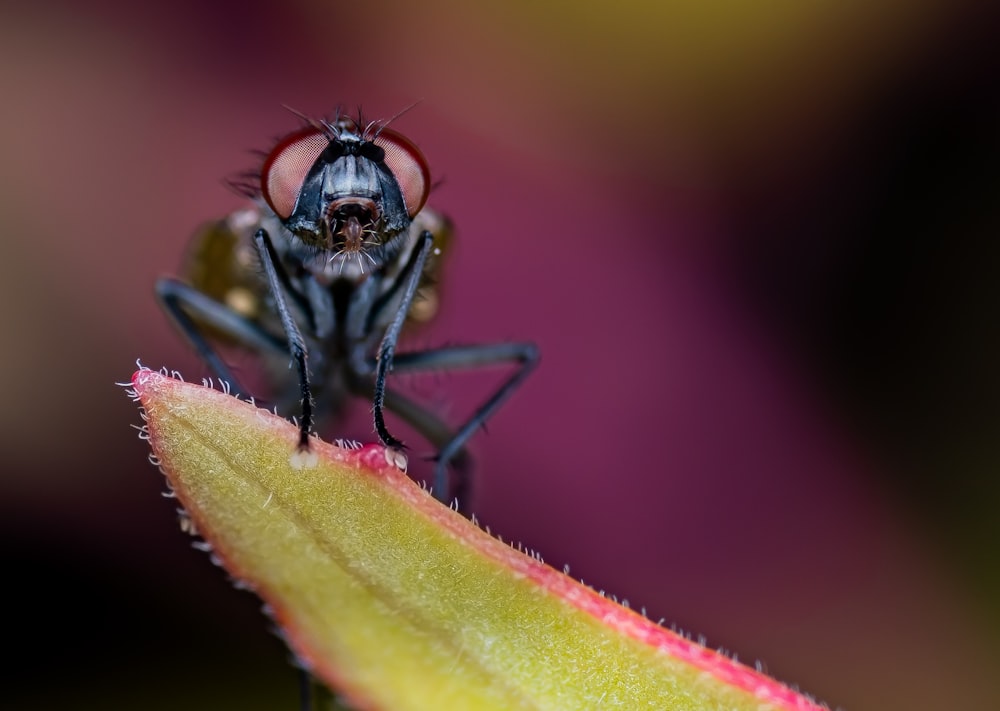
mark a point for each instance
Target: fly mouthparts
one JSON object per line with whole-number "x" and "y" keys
{"x": 361, "y": 207}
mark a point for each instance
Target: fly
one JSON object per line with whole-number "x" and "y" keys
{"x": 335, "y": 255}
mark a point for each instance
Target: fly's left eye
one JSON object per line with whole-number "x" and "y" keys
{"x": 408, "y": 166}
{"x": 286, "y": 168}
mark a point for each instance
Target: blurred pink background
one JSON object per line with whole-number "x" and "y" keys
{"x": 756, "y": 247}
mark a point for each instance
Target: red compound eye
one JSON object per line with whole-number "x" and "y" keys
{"x": 408, "y": 165}
{"x": 286, "y": 168}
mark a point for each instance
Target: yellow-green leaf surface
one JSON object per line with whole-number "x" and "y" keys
{"x": 400, "y": 602}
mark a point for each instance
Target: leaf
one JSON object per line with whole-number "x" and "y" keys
{"x": 399, "y": 602}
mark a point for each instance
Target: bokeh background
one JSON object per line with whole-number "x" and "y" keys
{"x": 756, "y": 243}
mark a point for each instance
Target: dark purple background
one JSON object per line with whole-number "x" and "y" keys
{"x": 758, "y": 252}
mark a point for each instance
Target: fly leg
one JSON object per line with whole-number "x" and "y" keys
{"x": 452, "y": 447}
{"x": 192, "y": 310}
{"x": 410, "y": 276}
{"x": 278, "y": 282}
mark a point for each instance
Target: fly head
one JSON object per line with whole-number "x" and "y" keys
{"x": 346, "y": 191}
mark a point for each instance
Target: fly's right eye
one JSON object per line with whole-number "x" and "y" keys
{"x": 286, "y": 168}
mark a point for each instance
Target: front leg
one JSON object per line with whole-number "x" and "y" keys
{"x": 412, "y": 273}
{"x": 277, "y": 279}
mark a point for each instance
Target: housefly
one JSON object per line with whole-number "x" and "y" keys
{"x": 333, "y": 256}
